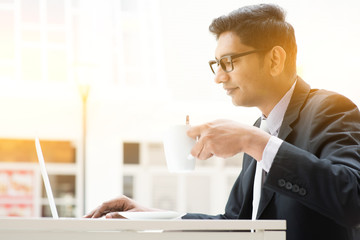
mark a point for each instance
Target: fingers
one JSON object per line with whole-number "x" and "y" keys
{"x": 101, "y": 211}
{"x": 200, "y": 151}
{"x": 95, "y": 214}
{"x": 111, "y": 208}
{"x": 220, "y": 137}
{"x": 114, "y": 215}
{"x": 205, "y": 155}
{"x": 114, "y": 205}
{"x": 98, "y": 212}
{"x": 91, "y": 214}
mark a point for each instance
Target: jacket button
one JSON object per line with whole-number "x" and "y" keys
{"x": 281, "y": 182}
{"x": 295, "y": 188}
{"x": 302, "y": 192}
{"x": 288, "y": 185}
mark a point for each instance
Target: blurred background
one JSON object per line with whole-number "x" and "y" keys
{"x": 99, "y": 81}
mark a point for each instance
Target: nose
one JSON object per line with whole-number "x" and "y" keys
{"x": 221, "y": 76}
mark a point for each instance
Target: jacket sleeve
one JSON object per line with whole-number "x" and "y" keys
{"x": 324, "y": 174}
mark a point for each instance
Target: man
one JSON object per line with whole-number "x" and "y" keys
{"x": 303, "y": 165}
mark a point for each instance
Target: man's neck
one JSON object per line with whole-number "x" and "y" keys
{"x": 276, "y": 95}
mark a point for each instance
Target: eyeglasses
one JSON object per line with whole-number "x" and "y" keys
{"x": 226, "y": 62}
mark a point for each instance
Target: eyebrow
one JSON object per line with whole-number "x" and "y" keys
{"x": 232, "y": 53}
{"x": 226, "y": 55}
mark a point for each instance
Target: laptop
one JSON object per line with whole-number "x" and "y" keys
{"x": 129, "y": 215}
{"x": 45, "y": 178}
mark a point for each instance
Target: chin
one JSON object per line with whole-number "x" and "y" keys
{"x": 236, "y": 103}
{"x": 241, "y": 102}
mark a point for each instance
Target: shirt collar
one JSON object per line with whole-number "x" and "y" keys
{"x": 276, "y": 116}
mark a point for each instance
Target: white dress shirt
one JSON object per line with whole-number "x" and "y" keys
{"x": 274, "y": 121}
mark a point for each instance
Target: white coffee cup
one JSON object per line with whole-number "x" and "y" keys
{"x": 177, "y": 148}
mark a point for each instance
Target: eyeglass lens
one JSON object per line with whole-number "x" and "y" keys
{"x": 225, "y": 64}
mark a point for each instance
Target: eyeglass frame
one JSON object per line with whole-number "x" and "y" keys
{"x": 212, "y": 62}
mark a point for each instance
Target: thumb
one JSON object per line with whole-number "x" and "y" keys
{"x": 195, "y": 131}
{"x": 113, "y": 215}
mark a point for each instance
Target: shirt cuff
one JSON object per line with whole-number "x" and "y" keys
{"x": 270, "y": 151}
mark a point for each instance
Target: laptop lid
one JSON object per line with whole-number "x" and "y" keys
{"x": 45, "y": 178}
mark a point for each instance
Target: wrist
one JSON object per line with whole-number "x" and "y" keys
{"x": 255, "y": 143}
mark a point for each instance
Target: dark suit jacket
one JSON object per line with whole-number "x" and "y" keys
{"x": 314, "y": 181}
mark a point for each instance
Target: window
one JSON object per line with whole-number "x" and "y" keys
{"x": 131, "y": 153}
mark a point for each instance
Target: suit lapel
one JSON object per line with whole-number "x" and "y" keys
{"x": 301, "y": 92}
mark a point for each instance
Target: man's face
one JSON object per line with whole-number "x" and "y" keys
{"x": 249, "y": 82}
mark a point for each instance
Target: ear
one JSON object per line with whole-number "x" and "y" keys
{"x": 277, "y": 58}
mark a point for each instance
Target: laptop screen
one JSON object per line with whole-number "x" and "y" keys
{"x": 45, "y": 178}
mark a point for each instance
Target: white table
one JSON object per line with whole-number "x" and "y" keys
{"x": 103, "y": 229}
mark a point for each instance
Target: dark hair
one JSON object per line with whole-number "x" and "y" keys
{"x": 260, "y": 26}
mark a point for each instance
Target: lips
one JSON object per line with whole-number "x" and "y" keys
{"x": 229, "y": 91}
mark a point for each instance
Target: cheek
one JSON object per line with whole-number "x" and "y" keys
{"x": 245, "y": 69}
{"x": 248, "y": 75}
{"x": 245, "y": 79}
